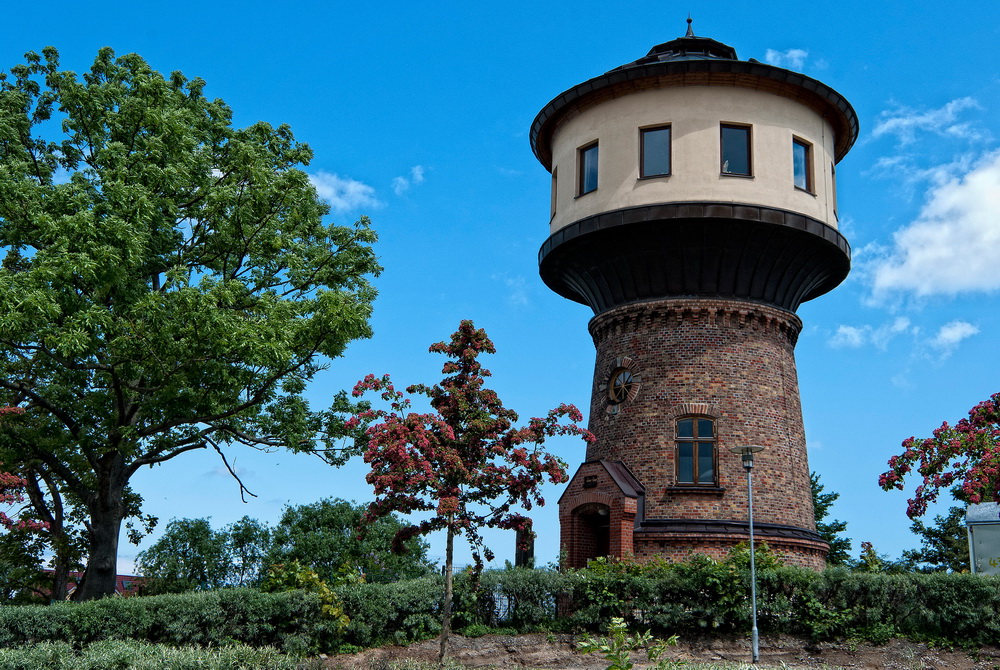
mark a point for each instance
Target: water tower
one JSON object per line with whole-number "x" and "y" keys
{"x": 693, "y": 210}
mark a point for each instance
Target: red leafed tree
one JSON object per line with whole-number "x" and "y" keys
{"x": 12, "y": 492}
{"x": 465, "y": 463}
{"x": 965, "y": 456}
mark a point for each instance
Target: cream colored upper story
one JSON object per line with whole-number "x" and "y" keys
{"x": 790, "y": 159}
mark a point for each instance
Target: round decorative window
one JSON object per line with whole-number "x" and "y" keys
{"x": 621, "y": 385}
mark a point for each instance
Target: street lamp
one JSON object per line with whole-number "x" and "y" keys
{"x": 747, "y": 453}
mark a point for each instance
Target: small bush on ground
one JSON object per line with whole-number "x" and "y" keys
{"x": 111, "y": 654}
{"x": 619, "y": 645}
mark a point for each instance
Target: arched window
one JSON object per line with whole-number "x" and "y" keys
{"x": 696, "y": 451}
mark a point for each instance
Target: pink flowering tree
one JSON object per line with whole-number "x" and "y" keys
{"x": 465, "y": 464}
{"x": 12, "y": 488}
{"x": 964, "y": 457}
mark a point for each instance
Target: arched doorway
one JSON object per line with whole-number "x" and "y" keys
{"x": 593, "y": 522}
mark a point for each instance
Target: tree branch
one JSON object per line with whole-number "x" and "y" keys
{"x": 243, "y": 488}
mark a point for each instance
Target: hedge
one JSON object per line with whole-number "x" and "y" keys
{"x": 290, "y": 621}
{"x": 689, "y": 599}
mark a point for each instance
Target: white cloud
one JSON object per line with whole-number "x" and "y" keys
{"x": 517, "y": 288}
{"x": 904, "y": 122}
{"x": 951, "y": 334}
{"x": 953, "y": 245}
{"x": 849, "y": 337}
{"x": 401, "y": 185}
{"x": 793, "y": 59}
{"x": 343, "y": 193}
{"x": 855, "y": 337}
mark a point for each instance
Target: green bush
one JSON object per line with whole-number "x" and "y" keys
{"x": 134, "y": 655}
{"x": 291, "y": 622}
{"x": 689, "y": 599}
{"x": 397, "y": 613}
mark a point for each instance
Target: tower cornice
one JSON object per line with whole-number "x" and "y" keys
{"x": 665, "y": 314}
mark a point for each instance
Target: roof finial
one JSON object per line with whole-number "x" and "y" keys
{"x": 690, "y": 33}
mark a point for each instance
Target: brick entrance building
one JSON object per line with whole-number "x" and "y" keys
{"x": 693, "y": 209}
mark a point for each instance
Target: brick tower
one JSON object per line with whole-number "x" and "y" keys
{"x": 693, "y": 209}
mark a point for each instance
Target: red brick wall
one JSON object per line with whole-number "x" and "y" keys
{"x": 574, "y": 537}
{"x": 729, "y": 359}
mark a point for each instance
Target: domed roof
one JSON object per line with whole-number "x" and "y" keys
{"x": 689, "y": 47}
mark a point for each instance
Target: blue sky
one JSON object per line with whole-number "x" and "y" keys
{"x": 418, "y": 115}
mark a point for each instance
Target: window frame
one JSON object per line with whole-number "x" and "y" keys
{"x": 698, "y": 443}
{"x": 722, "y": 149}
{"x": 555, "y": 194}
{"x": 807, "y": 147}
{"x": 581, "y": 153}
{"x": 833, "y": 188}
{"x": 642, "y": 150}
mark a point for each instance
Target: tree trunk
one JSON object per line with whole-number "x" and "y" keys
{"x": 52, "y": 512}
{"x": 446, "y": 610}
{"x": 106, "y": 514}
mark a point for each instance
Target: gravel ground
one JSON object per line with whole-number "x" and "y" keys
{"x": 539, "y": 651}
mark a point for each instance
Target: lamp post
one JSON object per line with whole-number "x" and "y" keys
{"x": 747, "y": 453}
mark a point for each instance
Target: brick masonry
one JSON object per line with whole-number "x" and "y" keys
{"x": 728, "y": 359}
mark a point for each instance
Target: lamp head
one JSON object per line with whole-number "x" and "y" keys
{"x": 747, "y": 452}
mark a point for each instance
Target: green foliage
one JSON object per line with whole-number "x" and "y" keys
{"x": 292, "y": 622}
{"x": 167, "y": 283}
{"x": 189, "y": 557}
{"x": 397, "y": 613}
{"x": 840, "y": 547}
{"x": 687, "y": 599}
{"x": 943, "y": 545}
{"x": 136, "y": 655}
{"x": 332, "y": 535}
{"x": 325, "y": 537}
{"x": 293, "y": 576}
{"x": 619, "y": 645}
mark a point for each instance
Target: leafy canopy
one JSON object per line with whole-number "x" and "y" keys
{"x": 167, "y": 281}
{"x": 332, "y": 537}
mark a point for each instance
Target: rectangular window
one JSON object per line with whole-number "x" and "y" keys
{"x": 654, "y": 152}
{"x": 696, "y": 451}
{"x": 555, "y": 182}
{"x": 736, "y": 157}
{"x": 802, "y": 164}
{"x": 588, "y": 169}
{"x": 833, "y": 180}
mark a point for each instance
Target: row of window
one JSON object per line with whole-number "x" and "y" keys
{"x": 735, "y": 157}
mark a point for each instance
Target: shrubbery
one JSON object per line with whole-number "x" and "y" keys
{"x": 144, "y": 656}
{"x": 690, "y": 599}
{"x": 291, "y": 622}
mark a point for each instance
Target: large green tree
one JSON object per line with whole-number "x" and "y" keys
{"x": 840, "y": 546}
{"x": 943, "y": 545}
{"x": 167, "y": 282}
{"x": 191, "y": 556}
{"x": 332, "y": 536}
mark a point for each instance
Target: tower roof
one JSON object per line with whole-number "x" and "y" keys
{"x": 695, "y": 61}
{"x": 688, "y": 47}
